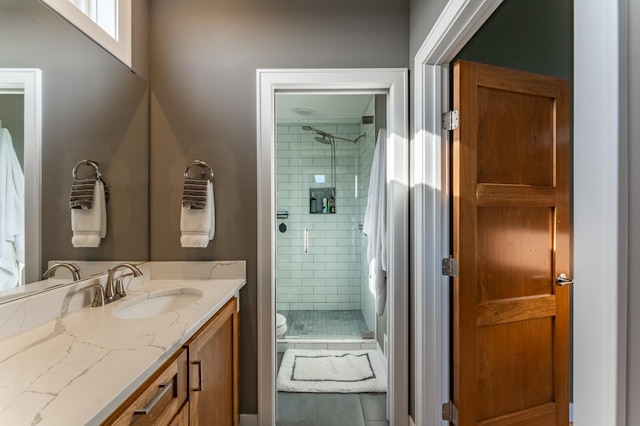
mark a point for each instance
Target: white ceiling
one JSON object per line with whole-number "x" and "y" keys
{"x": 292, "y": 106}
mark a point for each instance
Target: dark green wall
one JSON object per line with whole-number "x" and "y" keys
{"x": 527, "y": 35}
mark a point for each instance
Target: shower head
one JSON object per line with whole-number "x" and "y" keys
{"x": 325, "y": 140}
{"x": 320, "y": 132}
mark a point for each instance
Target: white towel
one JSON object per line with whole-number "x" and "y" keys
{"x": 375, "y": 220}
{"x": 198, "y": 226}
{"x": 11, "y": 213}
{"x": 90, "y": 225}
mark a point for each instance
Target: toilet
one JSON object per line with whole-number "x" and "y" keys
{"x": 281, "y": 325}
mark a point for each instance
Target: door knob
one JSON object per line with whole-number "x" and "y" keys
{"x": 564, "y": 280}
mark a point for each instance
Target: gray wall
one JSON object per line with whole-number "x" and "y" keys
{"x": 423, "y": 14}
{"x": 203, "y": 61}
{"x": 94, "y": 108}
{"x": 633, "y": 321}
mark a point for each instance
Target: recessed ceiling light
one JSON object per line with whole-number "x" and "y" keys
{"x": 302, "y": 110}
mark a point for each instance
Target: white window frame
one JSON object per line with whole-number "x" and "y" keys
{"x": 119, "y": 45}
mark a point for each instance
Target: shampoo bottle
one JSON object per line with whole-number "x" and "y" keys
{"x": 313, "y": 208}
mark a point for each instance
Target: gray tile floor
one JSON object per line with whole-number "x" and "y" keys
{"x": 342, "y": 324}
{"x": 331, "y": 409}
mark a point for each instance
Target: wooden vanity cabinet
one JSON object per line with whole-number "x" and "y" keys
{"x": 213, "y": 370}
{"x": 196, "y": 386}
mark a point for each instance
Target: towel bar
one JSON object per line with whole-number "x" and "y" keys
{"x": 93, "y": 164}
{"x": 202, "y": 165}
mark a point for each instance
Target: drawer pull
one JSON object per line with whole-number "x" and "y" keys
{"x": 164, "y": 388}
{"x": 199, "y": 388}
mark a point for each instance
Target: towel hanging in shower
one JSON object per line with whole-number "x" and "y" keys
{"x": 375, "y": 220}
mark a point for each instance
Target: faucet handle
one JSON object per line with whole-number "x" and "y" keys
{"x": 120, "y": 292}
{"x": 98, "y": 299}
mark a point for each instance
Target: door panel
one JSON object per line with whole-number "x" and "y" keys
{"x": 511, "y": 238}
{"x": 526, "y": 150}
{"x": 514, "y": 247}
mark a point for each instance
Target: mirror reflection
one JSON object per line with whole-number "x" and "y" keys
{"x": 93, "y": 108}
{"x": 12, "y": 230}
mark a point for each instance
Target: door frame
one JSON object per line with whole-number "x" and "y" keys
{"x": 431, "y": 184}
{"x": 600, "y": 259}
{"x": 395, "y": 83}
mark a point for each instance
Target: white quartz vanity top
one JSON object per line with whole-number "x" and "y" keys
{"x": 78, "y": 368}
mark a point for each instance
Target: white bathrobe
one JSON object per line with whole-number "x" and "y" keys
{"x": 12, "y": 248}
{"x": 375, "y": 220}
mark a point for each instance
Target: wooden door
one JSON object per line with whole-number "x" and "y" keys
{"x": 213, "y": 375}
{"x": 511, "y": 239}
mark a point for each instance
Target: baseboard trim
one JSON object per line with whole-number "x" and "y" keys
{"x": 248, "y": 420}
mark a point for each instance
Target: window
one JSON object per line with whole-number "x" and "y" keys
{"x": 107, "y": 22}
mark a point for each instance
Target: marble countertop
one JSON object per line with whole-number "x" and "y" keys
{"x": 79, "y": 367}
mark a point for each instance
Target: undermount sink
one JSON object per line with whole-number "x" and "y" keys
{"x": 157, "y": 303}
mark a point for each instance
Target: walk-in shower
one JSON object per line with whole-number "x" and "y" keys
{"x": 322, "y": 274}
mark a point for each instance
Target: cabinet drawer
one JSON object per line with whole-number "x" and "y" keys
{"x": 158, "y": 400}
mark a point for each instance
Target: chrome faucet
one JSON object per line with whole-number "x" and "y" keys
{"x": 98, "y": 299}
{"x": 75, "y": 271}
{"x": 114, "y": 292}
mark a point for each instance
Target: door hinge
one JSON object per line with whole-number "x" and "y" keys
{"x": 450, "y": 120}
{"x": 449, "y": 267}
{"x": 450, "y": 413}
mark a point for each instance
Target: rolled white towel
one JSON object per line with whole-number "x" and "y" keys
{"x": 90, "y": 225}
{"x": 198, "y": 225}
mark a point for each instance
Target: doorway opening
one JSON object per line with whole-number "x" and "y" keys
{"x": 325, "y": 297}
{"x": 332, "y": 179}
{"x": 324, "y": 153}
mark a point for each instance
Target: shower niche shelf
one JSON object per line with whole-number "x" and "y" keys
{"x": 321, "y": 201}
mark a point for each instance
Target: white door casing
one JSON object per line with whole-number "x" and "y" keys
{"x": 393, "y": 82}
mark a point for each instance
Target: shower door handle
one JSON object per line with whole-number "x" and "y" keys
{"x": 306, "y": 240}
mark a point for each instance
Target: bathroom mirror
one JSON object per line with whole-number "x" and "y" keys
{"x": 93, "y": 107}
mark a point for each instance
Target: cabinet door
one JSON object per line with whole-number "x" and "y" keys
{"x": 213, "y": 364}
{"x": 182, "y": 418}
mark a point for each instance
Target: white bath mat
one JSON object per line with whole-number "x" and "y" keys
{"x": 332, "y": 371}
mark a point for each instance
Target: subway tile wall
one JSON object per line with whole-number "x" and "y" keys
{"x": 331, "y": 275}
